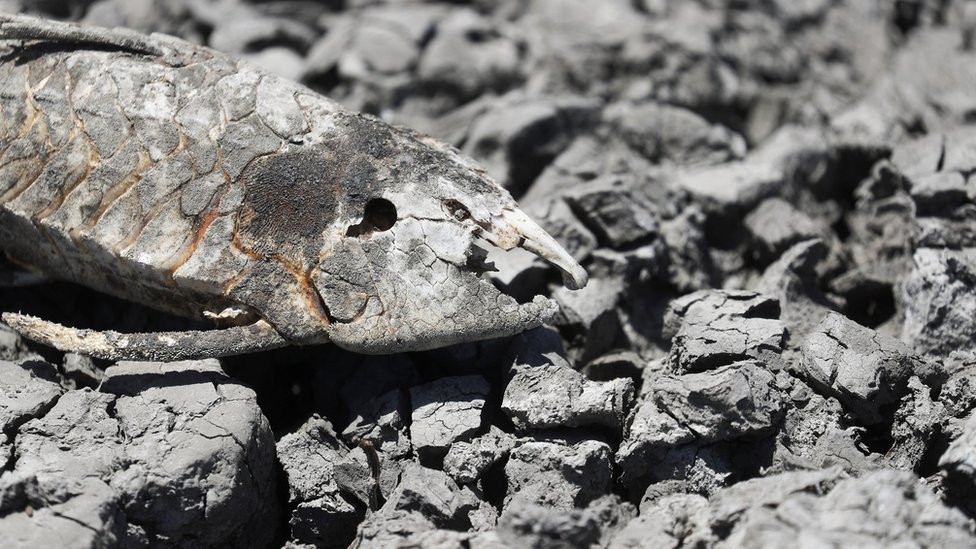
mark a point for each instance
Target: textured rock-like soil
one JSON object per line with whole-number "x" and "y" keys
{"x": 776, "y": 202}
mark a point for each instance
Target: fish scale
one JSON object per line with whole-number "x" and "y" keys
{"x": 174, "y": 176}
{"x": 128, "y": 199}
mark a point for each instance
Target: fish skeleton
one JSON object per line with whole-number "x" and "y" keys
{"x": 175, "y": 176}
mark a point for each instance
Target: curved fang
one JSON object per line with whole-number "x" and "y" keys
{"x": 515, "y": 229}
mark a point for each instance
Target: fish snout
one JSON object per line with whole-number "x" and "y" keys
{"x": 514, "y": 229}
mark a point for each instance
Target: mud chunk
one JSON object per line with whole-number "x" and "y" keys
{"x": 616, "y": 211}
{"x": 589, "y": 316}
{"x": 613, "y": 513}
{"x": 544, "y": 392}
{"x": 558, "y": 475}
{"x": 526, "y": 524}
{"x": 13, "y": 347}
{"x": 392, "y": 528}
{"x": 882, "y": 508}
{"x": 86, "y": 515}
{"x": 280, "y": 61}
{"x": 917, "y": 423}
{"x": 558, "y": 219}
{"x": 439, "y": 538}
{"x": 209, "y": 423}
{"x": 741, "y": 399}
{"x": 379, "y": 49}
{"x": 955, "y": 229}
{"x": 515, "y": 139}
{"x": 572, "y": 46}
{"x": 673, "y": 134}
{"x": 466, "y": 462}
{"x": 681, "y": 413}
{"x": 586, "y": 158}
{"x": 689, "y": 264}
{"x": 775, "y": 225}
{"x": 939, "y": 193}
{"x": 940, "y": 301}
{"x": 381, "y": 421}
{"x": 81, "y": 371}
{"x": 958, "y": 393}
{"x": 433, "y": 495}
{"x": 919, "y": 157}
{"x": 185, "y": 450}
{"x": 445, "y": 411}
{"x": 732, "y": 187}
{"x": 649, "y": 435}
{"x": 469, "y": 54}
{"x": 729, "y": 505}
{"x": 27, "y": 390}
{"x": 711, "y": 328}
{"x": 793, "y": 281}
{"x": 883, "y": 226}
{"x": 959, "y": 460}
{"x": 238, "y": 35}
{"x": 861, "y": 368}
{"x": 673, "y": 521}
{"x": 816, "y": 435}
{"x": 321, "y": 510}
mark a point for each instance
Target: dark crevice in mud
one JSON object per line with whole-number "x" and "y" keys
{"x": 877, "y": 439}
{"x": 871, "y": 305}
{"x": 928, "y": 465}
{"x": 854, "y": 165}
{"x": 842, "y": 229}
{"x": 282, "y": 531}
{"x": 495, "y": 483}
{"x": 733, "y": 117}
{"x": 769, "y": 308}
{"x": 447, "y": 95}
{"x": 726, "y": 232}
{"x": 280, "y": 41}
{"x": 960, "y": 493}
{"x": 717, "y": 360}
{"x": 284, "y": 380}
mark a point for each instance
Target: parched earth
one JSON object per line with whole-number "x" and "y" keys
{"x": 776, "y": 201}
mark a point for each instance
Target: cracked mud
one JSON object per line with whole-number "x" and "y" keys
{"x": 775, "y": 203}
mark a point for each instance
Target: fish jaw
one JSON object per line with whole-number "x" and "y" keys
{"x": 421, "y": 285}
{"x": 430, "y": 331}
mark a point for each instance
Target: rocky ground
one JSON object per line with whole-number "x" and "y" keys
{"x": 776, "y": 201}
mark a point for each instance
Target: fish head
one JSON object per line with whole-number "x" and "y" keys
{"x": 407, "y": 268}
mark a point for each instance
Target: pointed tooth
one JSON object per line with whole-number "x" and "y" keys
{"x": 535, "y": 239}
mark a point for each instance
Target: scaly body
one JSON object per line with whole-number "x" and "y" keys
{"x": 177, "y": 177}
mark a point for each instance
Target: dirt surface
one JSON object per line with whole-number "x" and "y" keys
{"x": 776, "y": 203}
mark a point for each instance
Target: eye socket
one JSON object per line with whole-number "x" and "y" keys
{"x": 457, "y": 210}
{"x": 379, "y": 215}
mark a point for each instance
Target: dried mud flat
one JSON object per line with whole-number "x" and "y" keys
{"x": 776, "y": 202}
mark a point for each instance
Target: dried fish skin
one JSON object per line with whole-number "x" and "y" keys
{"x": 172, "y": 175}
